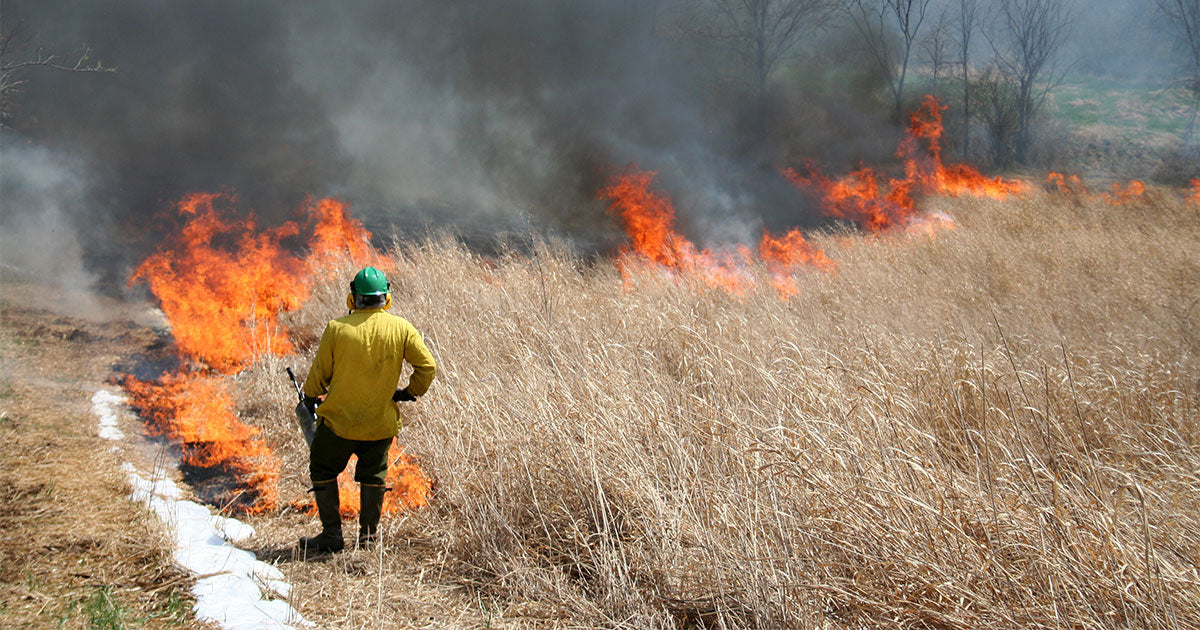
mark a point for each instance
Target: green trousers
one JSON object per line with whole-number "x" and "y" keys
{"x": 330, "y": 454}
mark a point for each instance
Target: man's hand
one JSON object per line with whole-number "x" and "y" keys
{"x": 402, "y": 395}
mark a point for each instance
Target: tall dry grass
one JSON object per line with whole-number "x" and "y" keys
{"x": 996, "y": 427}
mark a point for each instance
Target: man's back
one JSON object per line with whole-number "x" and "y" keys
{"x": 359, "y": 361}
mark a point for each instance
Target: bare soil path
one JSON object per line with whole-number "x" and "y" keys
{"x": 74, "y": 551}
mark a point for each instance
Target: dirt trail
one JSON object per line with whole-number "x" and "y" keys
{"x": 75, "y": 551}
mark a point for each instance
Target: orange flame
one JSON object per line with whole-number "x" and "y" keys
{"x": 197, "y": 410}
{"x": 223, "y": 284}
{"x": 1131, "y": 192}
{"x": 410, "y": 486}
{"x": 784, "y": 254}
{"x": 338, "y": 236}
{"x": 860, "y": 198}
{"x": 649, "y": 219}
{"x": 926, "y": 170}
{"x": 1065, "y": 184}
{"x": 222, "y": 302}
{"x": 1195, "y": 196}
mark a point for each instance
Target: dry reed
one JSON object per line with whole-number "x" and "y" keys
{"x": 995, "y": 427}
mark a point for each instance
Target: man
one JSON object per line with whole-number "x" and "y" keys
{"x": 357, "y": 367}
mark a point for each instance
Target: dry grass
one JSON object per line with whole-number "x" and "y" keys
{"x": 993, "y": 428}
{"x": 74, "y": 553}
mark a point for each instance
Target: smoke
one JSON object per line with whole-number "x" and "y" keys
{"x": 494, "y": 114}
{"x": 479, "y": 117}
{"x": 38, "y": 242}
{"x": 203, "y": 99}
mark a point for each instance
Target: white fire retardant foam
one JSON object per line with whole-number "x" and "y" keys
{"x": 233, "y": 589}
{"x": 106, "y": 404}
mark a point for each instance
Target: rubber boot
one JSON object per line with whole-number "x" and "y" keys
{"x": 330, "y": 538}
{"x": 369, "y": 509}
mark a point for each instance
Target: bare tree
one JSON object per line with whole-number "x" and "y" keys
{"x": 936, "y": 47}
{"x": 965, "y": 28}
{"x": 874, "y": 21}
{"x": 997, "y": 111}
{"x": 761, "y": 33}
{"x": 13, "y": 65}
{"x": 1025, "y": 41}
{"x": 1184, "y": 17}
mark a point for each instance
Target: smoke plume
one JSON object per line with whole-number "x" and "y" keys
{"x": 479, "y": 117}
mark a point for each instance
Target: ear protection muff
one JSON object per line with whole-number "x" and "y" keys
{"x": 387, "y": 301}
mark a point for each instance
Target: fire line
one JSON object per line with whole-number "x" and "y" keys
{"x": 861, "y": 197}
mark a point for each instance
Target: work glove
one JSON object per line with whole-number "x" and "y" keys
{"x": 310, "y": 404}
{"x": 402, "y": 395}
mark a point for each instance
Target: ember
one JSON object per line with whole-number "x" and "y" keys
{"x": 1132, "y": 191}
{"x": 1064, "y": 184}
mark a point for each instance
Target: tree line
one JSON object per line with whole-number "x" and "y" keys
{"x": 996, "y": 62}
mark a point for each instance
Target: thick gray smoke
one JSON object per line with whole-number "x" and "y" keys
{"x": 43, "y": 191}
{"x": 476, "y": 116}
{"x": 203, "y": 99}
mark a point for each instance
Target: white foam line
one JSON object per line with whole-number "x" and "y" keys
{"x": 106, "y": 404}
{"x": 234, "y": 589}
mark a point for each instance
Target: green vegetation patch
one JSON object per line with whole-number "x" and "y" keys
{"x": 1128, "y": 108}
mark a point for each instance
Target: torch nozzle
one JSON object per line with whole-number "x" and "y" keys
{"x": 295, "y": 383}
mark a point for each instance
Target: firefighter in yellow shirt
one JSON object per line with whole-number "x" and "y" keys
{"x": 357, "y": 369}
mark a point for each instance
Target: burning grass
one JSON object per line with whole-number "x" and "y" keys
{"x": 223, "y": 284}
{"x": 984, "y": 426}
{"x": 990, "y": 428}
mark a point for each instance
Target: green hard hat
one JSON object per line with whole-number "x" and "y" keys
{"x": 369, "y": 281}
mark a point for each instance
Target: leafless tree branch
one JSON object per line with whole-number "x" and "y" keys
{"x": 11, "y": 70}
{"x": 1025, "y": 42}
{"x": 875, "y": 21}
{"x": 762, "y": 33}
{"x": 1184, "y": 18}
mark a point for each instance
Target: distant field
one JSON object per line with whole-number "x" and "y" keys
{"x": 1102, "y": 127}
{"x": 1131, "y": 111}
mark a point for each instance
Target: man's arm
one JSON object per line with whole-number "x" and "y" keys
{"x": 321, "y": 372}
{"x": 423, "y": 364}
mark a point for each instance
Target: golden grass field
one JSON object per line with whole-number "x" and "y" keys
{"x": 992, "y": 428}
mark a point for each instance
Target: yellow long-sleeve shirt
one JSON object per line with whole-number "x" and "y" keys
{"x": 358, "y": 363}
